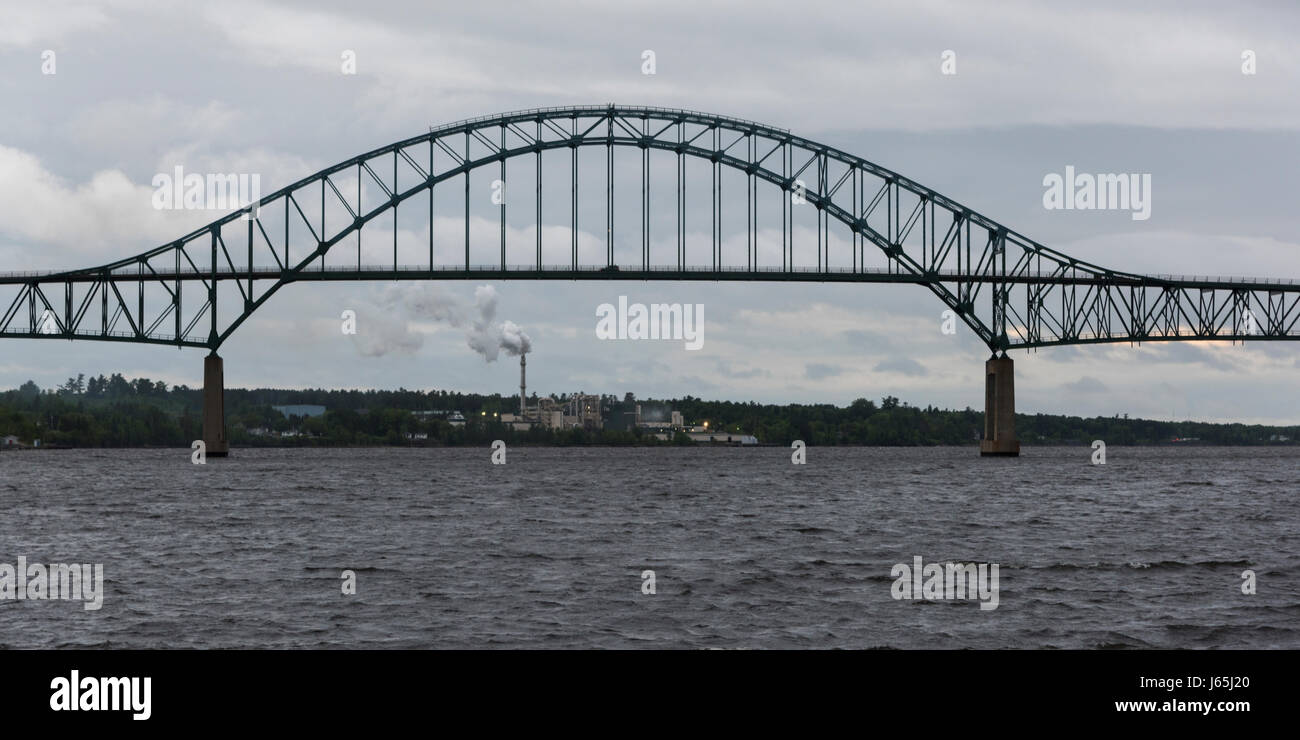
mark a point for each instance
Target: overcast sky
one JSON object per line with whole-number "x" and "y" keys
{"x": 142, "y": 87}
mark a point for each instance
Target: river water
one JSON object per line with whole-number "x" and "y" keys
{"x": 747, "y": 549}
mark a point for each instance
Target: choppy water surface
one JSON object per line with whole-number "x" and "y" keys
{"x": 748, "y": 550}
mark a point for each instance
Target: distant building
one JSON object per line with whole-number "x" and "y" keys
{"x": 516, "y": 422}
{"x": 454, "y": 418}
{"x": 301, "y": 409}
{"x": 723, "y": 438}
{"x": 9, "y": 440}
{"x": 580, "y": 411}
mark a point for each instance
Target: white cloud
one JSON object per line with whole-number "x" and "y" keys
{"x": 876, "y": 65}
{"x": 108, "y": 216}
{"x": 48, "y": 24}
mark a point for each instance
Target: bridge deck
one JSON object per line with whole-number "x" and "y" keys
{"x": 653, "y": 272}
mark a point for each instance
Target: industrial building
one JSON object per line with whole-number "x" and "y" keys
{"x": 578, "y": 410}
{"x": 583, "y": 411}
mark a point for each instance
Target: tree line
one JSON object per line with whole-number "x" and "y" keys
{"x": 115, "y": 411}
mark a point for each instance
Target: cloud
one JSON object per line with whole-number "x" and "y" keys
{"x": 1086, "y": 384}
{"x": 820, "y": 371}
{"x": 732, "y": 371}
{"x": 1190, "y": 353}
{"x": 1054, "y": 65}
{"x": 107, "y": 211}
{"x": 862, "y": 339}
{"x": 50, "y": 24}
{"x": 903, "y": 366}
{"x": 116, "y": 125}
{"x": 109, "y": 216}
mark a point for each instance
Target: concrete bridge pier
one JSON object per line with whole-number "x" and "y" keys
{"x": 214, "y": 407}
{"x": 999, "y": 409}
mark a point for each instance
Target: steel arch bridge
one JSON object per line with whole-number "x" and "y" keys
{"x": 1012, "y": 291}
{"x": 872, "y": 226}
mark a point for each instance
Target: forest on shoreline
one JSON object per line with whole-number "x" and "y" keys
{"x": 116, "y": 412}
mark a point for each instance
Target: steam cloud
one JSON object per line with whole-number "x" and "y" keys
{"x": 388, "y": 328}
{"x": 513, "y": 339}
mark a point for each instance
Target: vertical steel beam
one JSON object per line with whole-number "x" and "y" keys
{"x": 360, "y": 210}
{"x": 467, "y": 200}
{"x": 504, "y": 192}
{"x": 856, "y": 177}
{"x": 645, "y": 200}
{"x": 176, "y": 295}
{"x": 609, "y": 189}
{"x": 139, "y": 324}
{"x": 749, "y": 202}
{"x": 573, "y": 196}
{"x": 394, "y": 206}
{"x": 430, "y": 210}
{"x": 716, "y": 198}
{"x": 538, "y": 167}
{"x": 787, "y": 216}
{"x": 821, "y": 195}
{"x": 212, "y": 295}
{"x": 681, "y": 195}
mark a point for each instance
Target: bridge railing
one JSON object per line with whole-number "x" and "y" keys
{"x": 948, "y": 274}
{"x": 1224, "y": 279}
{"x": 156, "y": 336}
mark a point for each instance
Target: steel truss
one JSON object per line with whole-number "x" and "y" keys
{"x": 1012, "y": 291}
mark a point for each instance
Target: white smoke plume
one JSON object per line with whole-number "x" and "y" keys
{"x": 400, "y": 304}
{"x": 513, "y": 339}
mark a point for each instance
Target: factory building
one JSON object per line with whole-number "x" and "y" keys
{"x": 579, "y": 410}
{"x": 585, "y": 412}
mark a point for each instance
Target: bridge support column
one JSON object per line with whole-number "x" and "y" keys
{"x": 999, "y": 409}
{"x": 214, "y": 407}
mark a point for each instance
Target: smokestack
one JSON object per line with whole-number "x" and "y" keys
{"x": 523, "y": 362}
